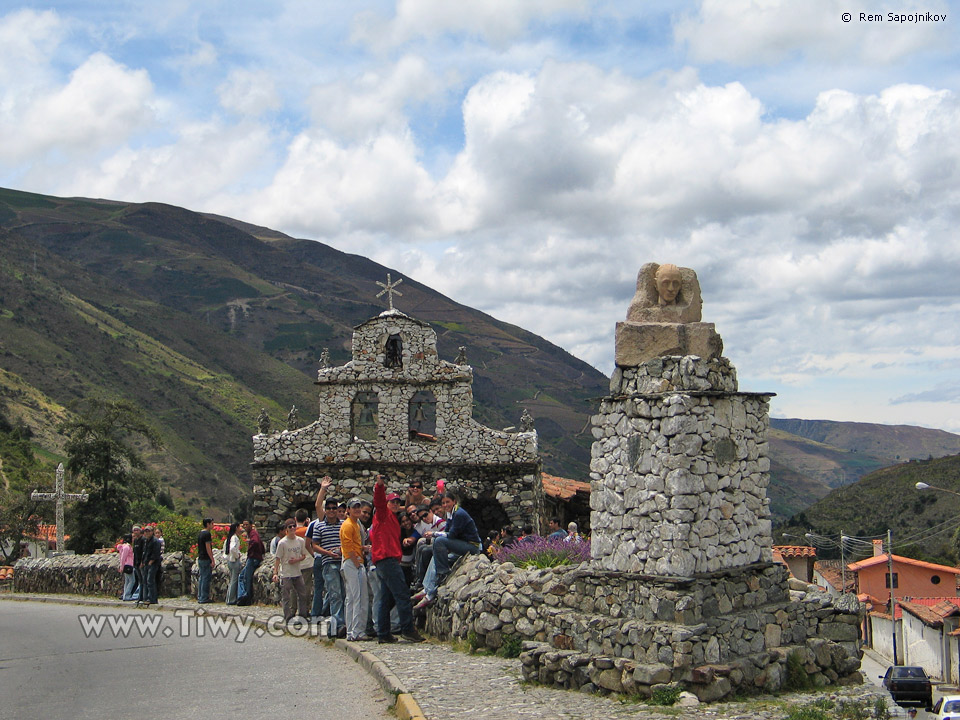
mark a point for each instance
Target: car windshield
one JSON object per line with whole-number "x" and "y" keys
{"x": 951, "y": 707}
{"x": 908, "y": 672}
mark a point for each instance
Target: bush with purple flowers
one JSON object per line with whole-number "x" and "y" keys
{"x": 540, "y": 552}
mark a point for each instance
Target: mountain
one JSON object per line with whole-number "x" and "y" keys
{"x": 923, "y": 523}
{"x": 202, "y": 320}
{"x": 809, "y": 458}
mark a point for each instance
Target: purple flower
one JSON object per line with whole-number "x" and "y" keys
{"x": 536, "y": 551}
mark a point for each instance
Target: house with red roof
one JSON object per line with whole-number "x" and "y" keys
{"x": 798, "y": 559}
{"x": 924, "y": 615}
{"x": 915, "y": 578}
{"x": 567, "y": 499}
{"x": 927, "y": 627}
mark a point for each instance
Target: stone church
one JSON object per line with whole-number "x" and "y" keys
{"x": 397, "y": 408}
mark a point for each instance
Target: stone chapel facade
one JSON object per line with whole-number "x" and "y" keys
{"x": 397, "y": 408}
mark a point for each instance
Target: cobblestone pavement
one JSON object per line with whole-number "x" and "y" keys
{"x": 450, "y": 684}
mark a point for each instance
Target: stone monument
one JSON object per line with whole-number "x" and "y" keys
{"x": 681, "y": 587}
{"x": 679, "y": 466}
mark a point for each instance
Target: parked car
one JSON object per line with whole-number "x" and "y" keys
{"x": 947, "y": 708}
{"x": 908, "y": 685}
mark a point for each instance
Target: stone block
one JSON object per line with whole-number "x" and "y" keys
{"x": 637, "y": 343}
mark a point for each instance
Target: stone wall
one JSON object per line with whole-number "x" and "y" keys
{"x": 716, "y": 634}
{"x": 680, "y": 470}
{"x": 98, "y": 575}
{"x": 494, "y": 496}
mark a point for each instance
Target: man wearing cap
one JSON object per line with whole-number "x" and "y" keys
{"x": 386, "y": 553}
{"x": 356, "y": 601}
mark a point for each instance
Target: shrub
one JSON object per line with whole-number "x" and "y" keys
{"x": 511, "y": 647}
{"x": 180, "y": 533}
{"x": 666, "y": 695}
{"x": 797, "y": 677}
{"x": 541, "y": 552}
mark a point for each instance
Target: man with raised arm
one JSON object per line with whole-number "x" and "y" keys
{"x": 386, "y": 553}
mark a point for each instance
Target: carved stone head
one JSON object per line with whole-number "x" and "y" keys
{"x": 666, "y": 294}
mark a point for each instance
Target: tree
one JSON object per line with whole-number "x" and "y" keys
{"x": 100, "y": 453}
{"x": 20, "y": 472}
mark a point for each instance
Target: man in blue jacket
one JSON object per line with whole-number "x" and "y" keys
{"x": 458, "y": 538}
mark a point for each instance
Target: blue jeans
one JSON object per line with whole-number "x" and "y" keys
{"x": 148, "y": 591}
{"x": 317, "y": 609}
{"x": 333, "y": 591}
{"x": 443, "y": 547}
{"x": 246, "y": 580}
{"x": 137, "y": 584}
{"x": 394, "y": 591}
{"x": 129, "y": 581}
{"x": 203, "y": 581}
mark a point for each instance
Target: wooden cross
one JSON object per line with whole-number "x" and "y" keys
{"x": 58, "y": 496}
{"x": 388, "y": 289}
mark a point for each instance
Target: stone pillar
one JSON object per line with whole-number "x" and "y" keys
{"x": 679, "y": 467}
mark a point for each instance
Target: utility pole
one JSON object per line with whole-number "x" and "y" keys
{"x": 893, "y": 600}
{"x": 843, "y": 567}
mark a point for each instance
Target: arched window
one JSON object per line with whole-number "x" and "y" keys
{"x": 364, "y": 416}
{"x": 423, "y": 415}
{"x": 393, "y": 352}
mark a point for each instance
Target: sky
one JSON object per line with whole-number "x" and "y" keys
{"x": 527, "y": 157}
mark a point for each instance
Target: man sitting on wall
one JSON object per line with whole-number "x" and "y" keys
{"x": 459, "y": 538}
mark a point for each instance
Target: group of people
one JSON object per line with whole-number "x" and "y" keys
{"x": 140, "y": 561}
{"x": 366, "y": 560}
{"x": 370, "y": 566}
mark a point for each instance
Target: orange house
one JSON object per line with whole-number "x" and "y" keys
{"x": 911, "y": 578}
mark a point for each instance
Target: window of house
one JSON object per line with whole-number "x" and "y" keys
{"x": 423, "y": 415}
{"x": 935, "y": 579}
{"x": 364, "y": 416}
{"x": 896, "y": 583}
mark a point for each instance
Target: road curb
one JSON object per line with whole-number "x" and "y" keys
{"x": 406, "y": 706}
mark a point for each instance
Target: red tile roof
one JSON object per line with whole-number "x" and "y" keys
{"x": 563, "y": 488}
{"x": 795, "y": 551}
{"x": 832, "y": 573}
{"x": 878, "y": 559}
{"x": 932, "y": 613}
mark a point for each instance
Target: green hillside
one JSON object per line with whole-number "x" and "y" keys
{"x": 201, "y": 322}
{"x": 923, "y": 522}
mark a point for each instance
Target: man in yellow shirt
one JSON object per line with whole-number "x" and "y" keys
{"x": 356, "y": 601}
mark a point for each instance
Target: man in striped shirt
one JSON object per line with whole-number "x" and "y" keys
{"x": 325, "y": 541}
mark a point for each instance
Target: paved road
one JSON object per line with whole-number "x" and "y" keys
{"x": 50, "y": 669}
{"x": 873, "y": 667}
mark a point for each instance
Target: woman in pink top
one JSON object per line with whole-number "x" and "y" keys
{"x": 125, "y": 551}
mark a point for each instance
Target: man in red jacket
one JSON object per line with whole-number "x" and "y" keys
{"x": 386, "y": 553}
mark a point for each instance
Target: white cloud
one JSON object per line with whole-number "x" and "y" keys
{"x": 825, "y": 241}
{"x": 201, "y": 169}
{"x": 357, "y": 107}
{"x": 497, "y": 21}
{"x": 102, "y": 103}
{"x": 759, "y": 32}
{"x": 248, "y": 92}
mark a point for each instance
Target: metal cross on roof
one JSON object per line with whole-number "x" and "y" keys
{"x": 58, "y": 496}
{"x": 388, "y": 289}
